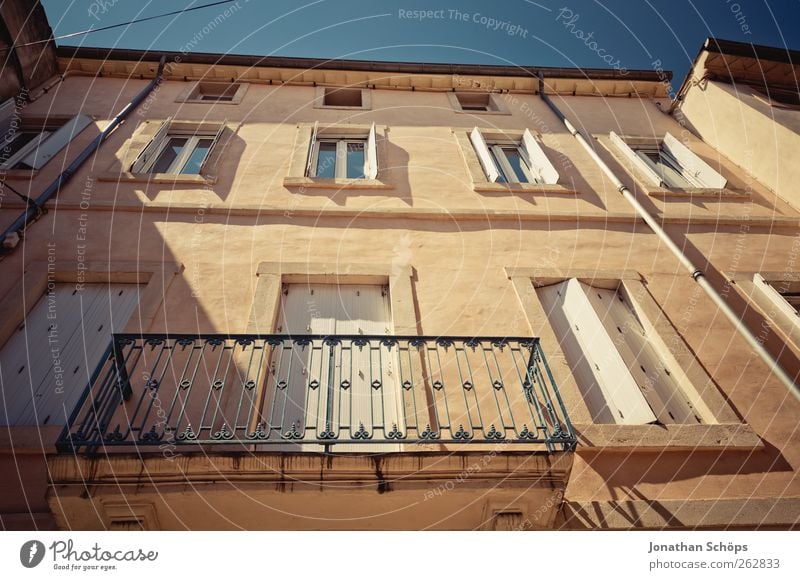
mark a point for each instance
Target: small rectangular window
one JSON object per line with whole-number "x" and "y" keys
{"x": 336, "y": 97}
{"x": 215, "y": 92}
{"x": 475, "y": 102}
{"x": 666, "y": 167}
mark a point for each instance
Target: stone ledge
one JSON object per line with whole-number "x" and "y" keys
{"x": 542, "y": 188}
{"x": 329, "y": 183}
{"x": 665, "y": 438}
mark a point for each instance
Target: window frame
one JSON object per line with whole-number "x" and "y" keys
{"x": 506, "y": 170}
{"x": 193, "y": 140}
{"x": 194, "y": 93}
{"x": 366, "y": 98}
{"x": 55, "y": 133}
{"x": 340, "y": 167}
{"x": 495, "y": 106}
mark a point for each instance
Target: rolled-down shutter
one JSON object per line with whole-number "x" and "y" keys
{"x": 692, "y": 164}
{"x": 602, "y": 375}
{"x": 484, "y": 156}
{"x": 152, "y": 149}
{"x": 57, "y": 140}
{"x": 311, "y": 146}
{"x": 537, "y": 160}
{"x": 371, "y": 155}
{"x": 651, "y": 176}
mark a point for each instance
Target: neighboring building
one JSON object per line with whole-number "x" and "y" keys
{"x": 365, "y": 295}
{"x": 27, "y": 49}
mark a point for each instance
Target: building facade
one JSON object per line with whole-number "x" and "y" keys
{"x": 361, "y": 295}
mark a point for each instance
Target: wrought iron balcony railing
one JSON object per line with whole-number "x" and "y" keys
{"x": 318, "y": 393}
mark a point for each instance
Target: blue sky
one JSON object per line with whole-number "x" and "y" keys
{"x": 573, "y": 33}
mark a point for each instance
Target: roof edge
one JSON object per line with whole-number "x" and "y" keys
{"x": 359, "y": 65}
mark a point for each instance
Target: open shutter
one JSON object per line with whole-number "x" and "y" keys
{"x": 537, "y": 160}
{"x": 653, "y": 177}
{"x": 665, "y": 397}
{"x": 214, "y": 143}
{"x": 152, "y": 149}
{"x": 312, "y": 142}
{"x": 601, "y": 373}
{"x": 49, "y": 147}
{"x": 27, "y": 151}
{"x": 483, "y": 155}
{"x": 371, "y": 169}
{"x": 7, "y": 110}
{"x": 692, "y": 164}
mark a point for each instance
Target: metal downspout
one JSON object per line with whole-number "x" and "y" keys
{"x": 696, "y": 274}
{"x": 35, "y": 209}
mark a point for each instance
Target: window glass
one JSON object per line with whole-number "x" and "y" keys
{"x": 355, "y": 160}
{"x": 516, "y": 162}
{"x": 326, "y": 159}
{"x": 667, "y": 168}
{"x": 168, "y": 156}
{"x": 197, "y": 156}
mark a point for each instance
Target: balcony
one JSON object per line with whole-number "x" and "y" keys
{"x": 318, "y": 394}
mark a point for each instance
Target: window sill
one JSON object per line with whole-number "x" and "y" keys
{"x": 698, "y": 192}
{"x": 331, "y": 183}
{"x": 649, "y": 438}
{"x": 167, "y": 178}
{"x": 20, "y": 173}
{"x": 489, "y": 187}
{"x": 468, "y": 112}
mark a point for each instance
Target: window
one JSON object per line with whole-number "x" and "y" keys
{"x": 780, "y": 300}
{"x": 475, "y": 101}
{"x": 615, "y": 362}
{"x": 177, "y": 152}
{"x": 342, "y": 98}
{"x": 506, "y": 161}
{"x": 213, "y": 92}
{"x": 668, "y": 163}
{"x": 342, "y": 156}
{"x": 29, "y": 143}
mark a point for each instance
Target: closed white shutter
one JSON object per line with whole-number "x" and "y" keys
{"x": 651, "y": 176}
{"x": 611, "y": 392}
{"x": 152, "y": 149}
{"x": 371, "y": 170}
{"x": 478, "y": 142}
{"x": 329, "y": 309}
{"x": 312, "y": 146}
{"x": 655, "y": 380}
{"x": 692, "y": 164}
{"x": 537, "y": 160}
{"x": 47, "y": 363}
{"x": 49, "y": 147}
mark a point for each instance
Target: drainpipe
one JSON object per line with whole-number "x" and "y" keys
{"x": 696, "y": 274}
{"x": 10, "y": 238}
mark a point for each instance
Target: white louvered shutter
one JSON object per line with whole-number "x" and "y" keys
{"x": 651, "y": 176}
{"x": 489, "y": 167}
{"x": 78, "y": 325}
{"x": 371, "y": 163}
{"x": 692, "y": 164}
{"x": 311, "y": 148}
{"x": 537, "y": 160}
{"x": 57, "y": 140}
{"x": 152, "y": 149}
{"x": 611, "y": 392}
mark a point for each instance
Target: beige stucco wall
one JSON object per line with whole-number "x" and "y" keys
{"x": 742, "y": 125}
{"x": 458, "y": 242}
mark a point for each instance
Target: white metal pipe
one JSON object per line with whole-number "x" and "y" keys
{"x": 693, "y": 270}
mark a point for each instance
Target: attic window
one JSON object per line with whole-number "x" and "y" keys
{"x": 342, "y": 98}
{"x": 475, "y": 101}
{"x": 216, "y": 92}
